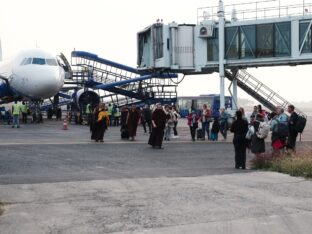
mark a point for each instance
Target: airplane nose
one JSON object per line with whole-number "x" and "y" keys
{"x": 48, "y": 82}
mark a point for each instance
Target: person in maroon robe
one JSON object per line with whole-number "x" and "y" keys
{"x": 159, "y": 124}
{"x": 133, "y": 121}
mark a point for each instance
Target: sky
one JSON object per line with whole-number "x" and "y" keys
{"x": 109, "y": 29}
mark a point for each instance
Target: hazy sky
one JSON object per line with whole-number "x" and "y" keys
{"x": 109, "y": 28}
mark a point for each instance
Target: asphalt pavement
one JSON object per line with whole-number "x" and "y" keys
{"x": 56, "y": 181}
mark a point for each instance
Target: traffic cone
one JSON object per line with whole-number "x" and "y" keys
{"x": 65, "y": 124}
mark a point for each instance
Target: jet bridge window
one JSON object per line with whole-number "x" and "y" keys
{"x": 39, "y": 61}
{"x": 158, "y": 41}
{"x": 51, "y": 62}
{"x": 305, "y": 36}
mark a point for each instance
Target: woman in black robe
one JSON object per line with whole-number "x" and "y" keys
{"x": 240, "y": 128}
{"x": 123, "y": 123}
{"x": 133, "y": 121}
{"x": 159, "y": 124}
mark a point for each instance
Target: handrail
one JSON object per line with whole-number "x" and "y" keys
{"x": 257, "y": 10}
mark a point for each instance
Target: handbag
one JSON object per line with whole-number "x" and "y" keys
{"x": 251, "y": 131}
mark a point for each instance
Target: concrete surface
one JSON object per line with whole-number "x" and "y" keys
{"x": 257, "y": 202}
{"x": 55, "y": 181}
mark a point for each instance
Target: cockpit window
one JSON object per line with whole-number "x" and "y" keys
{"x": 51, "y": 62}
{"x": 23, "y": 61}
{"x": 27, "y": 61}
{"x": 39, "y": 61}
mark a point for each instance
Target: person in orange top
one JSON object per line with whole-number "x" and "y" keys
{"x": 101, "y": 124}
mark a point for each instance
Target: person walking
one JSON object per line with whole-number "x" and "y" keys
{"x": 169, "y": 123}
{"x": 102, "y": 122}
{"x": 123, "y": 122}
{"x": 147, "y": 118}
{"x": 176, "y": 121}
{"x": 158, "y": 124}
{"x": 16, "y": 110}
{"x": 223, "y": 123}
{"x": 193, "y": 123}
{"x": 215, "y": 129}
{"x": 206, "y": 119}
{"x": 293, "y": 133}
{"x": 133, "y": 121}
{"x": 240, "y": 128}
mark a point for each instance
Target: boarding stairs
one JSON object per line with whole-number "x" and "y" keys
{"x": 258, "y": 90}
{"x": 121, "y": 84}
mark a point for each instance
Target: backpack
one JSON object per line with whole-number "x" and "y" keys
{"x": 300, "y": 124}
{"x": 282, "y": 129}
{"x": 263, "y": 130}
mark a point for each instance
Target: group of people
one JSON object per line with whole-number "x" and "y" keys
{"x": 20, "y": 111}
{"x": 160, "y": 123}
{"x": 253, "y": 134}
{"x": 218, "y": 119}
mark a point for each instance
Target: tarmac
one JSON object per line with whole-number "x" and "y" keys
{"x": 56, "y": 181}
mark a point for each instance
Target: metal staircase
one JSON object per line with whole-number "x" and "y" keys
{"x": 258, "y": 90}
{"x": 121, "y": 84}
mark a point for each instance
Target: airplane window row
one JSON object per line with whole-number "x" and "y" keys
{"x": 39, "y": 61}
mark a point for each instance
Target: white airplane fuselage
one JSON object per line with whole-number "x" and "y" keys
{"x": 33, "y": 74}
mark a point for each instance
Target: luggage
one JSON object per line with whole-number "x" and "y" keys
{"x": 200, "y": 134}
{"x": 282, "y": 129}
{"x": 263, "y": 131}
{"x": 124, "y": 134}
{"x": 300, "y": 124}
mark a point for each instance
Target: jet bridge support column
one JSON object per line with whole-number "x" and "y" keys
{"x": 221, "y": 53}
{"x": 234, "y": 105}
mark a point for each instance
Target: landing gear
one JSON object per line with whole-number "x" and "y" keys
{"x": 36, "y": 112}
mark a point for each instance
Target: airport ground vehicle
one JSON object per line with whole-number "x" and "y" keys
{"x": 187, "y": 103}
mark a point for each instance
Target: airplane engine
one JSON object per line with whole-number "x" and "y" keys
{"x": 83, "y": 97}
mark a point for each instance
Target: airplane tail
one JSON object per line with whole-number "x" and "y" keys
{"x": 0, "y": 51}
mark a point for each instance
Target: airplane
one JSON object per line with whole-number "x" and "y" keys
{"x": 32, "y": 75}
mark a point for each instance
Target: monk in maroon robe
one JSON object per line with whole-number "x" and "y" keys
{"x": 159, "y": 124}
{"x": 133, "y": 121}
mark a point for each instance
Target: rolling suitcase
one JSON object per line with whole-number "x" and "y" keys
{"x": 200, "y": 134}
{"x": 124, "y": 134}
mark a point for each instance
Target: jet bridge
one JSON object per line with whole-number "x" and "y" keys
{"x": 229, "y": 38}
